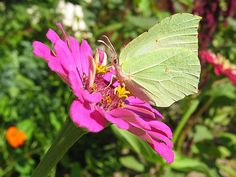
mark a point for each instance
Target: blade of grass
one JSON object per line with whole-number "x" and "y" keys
{"x": 184, "y": 119}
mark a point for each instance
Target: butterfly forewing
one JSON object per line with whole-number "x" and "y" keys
{"x": 179, "y": 30}
{"x": 163, "y": 62}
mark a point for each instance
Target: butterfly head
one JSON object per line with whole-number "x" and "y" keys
{"x": 114, "y": 59}
{"x": 114, "y": 56}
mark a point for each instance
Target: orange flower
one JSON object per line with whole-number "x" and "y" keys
{"x": 15, "y": 137}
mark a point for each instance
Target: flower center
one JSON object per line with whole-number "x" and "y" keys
{"x": 101, "y": 69}
{"x": 112, "y": 97}
{"x": 121, "y": 92}
{"x": 108, "y": 99}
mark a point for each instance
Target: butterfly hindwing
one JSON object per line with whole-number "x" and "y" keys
{"x": 165, "y": 76}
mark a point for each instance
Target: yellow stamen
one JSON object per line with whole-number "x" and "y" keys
{"x": 101, "y": 69}
{"x": 121, "y": 92}
{"x": 108, "y": 99}
{"x": 94, "y": 87}
{"x": 122, "y": 105}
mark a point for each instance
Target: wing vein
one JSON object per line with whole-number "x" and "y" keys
{"x": 177, "y": 35}
{"x": 171, "y": 79}
{"x": 143, "y": 69}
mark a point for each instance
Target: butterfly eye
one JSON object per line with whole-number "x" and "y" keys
{"x": 114, "y": 60}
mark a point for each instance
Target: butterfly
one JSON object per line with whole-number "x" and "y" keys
{"x": 161, "y": 66}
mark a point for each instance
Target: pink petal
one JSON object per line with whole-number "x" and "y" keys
{"x": 217, "y": 70}
{"x": 140, "y": 133}
{"x": 52, "y": 36}
{"x": 164, "y": 151}
{"x": 77, "y": 88}
{"x": 141, "y": 111}
{"x": 109, "y": 75}
{"x": 85, "y": 51}
{"x": 86, "y": 117}
{"x": 133, "y": 101}
{"x": 102, "y": 57}
{"x": 76, "y": 84}
{"x": 160, "y": 147}
{"x": 130, "y": 117}
{"x": 160, "y": 136}
{"x": 118, "y": 121}
{"x": 160, "y": 126}
{"x": 92, "y": 71}
{"x": 59, "y": 25}
{"x": 55, "y": 66}
{"x": 42, "y": 50}
{"x": 75, "y": 50}
{"x": 64, "y": 56}
{"x": 92, "y": 97}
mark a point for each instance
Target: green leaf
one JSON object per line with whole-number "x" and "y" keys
{"x": 139, "y": 146}
{"x": 144, "y": 7}
{"x": 142, "y": 22}
{"x": 229, "y": 136}
{"x": 27, "y": 126}
{"x": 224, "y": 151}
{"x": 132, "y": 163}
{"x": 225, "y": 89}
{"x": 202, "y": 133}
{"x": 186, "y": 164}
{"x": 187, "y": 2}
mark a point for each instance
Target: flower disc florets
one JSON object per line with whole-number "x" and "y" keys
{"x": 112, "y": 93}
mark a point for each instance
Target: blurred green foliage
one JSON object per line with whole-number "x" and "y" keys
{"x": 36, "y": 100}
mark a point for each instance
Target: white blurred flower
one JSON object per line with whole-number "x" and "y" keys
{"x": 31, "y": 10}
{"x": 73, "y": 15}
{"x": 2, "y": 6}
{"x": 34, "y": 13}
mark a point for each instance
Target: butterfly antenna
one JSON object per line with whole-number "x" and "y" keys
{"x": 109, "y": 42}
{"x": 101, "y": 41}
{"x": 110, "y": 46}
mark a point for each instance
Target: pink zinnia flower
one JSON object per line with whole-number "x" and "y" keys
{"x": 100, "y": 98}
{"x": 221, "y": 65}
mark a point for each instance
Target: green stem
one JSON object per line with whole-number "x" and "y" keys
{"x": 68, "y": 136}
{"x": 184, "y": 119}
{"x": 191, "y": 123}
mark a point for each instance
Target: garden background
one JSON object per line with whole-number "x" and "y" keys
{"x": 36, "y": 101}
